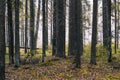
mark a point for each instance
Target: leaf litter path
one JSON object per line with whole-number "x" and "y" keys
{"x": 63, "y": 69}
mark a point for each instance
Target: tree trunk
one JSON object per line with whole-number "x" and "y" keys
{"x": 26, "y": 25}
{"x": 17, "y": 42}
{"x": 44, "y": 31}
{"x": 110, "y": 36}
{"x": 105, "y": 27}
{"x": 117, "y": 44}
{"x": 115, "y": 27}
{"x": 94, "y": 32}
{"x": 11, "y": 34}
{"x": 54, "y": 43}
{"x": 32, "y": 15}
{"x": 2, "y": 39}
{"x": 79, "y": 36}
{"x": 46, "y": 23}
{"x": 51, "y": 33}
{"x": 72, "y": 27}
{"x": 60, "y": 28}
{"x": 118, "y": 23}
{"x": 37, "y": 23}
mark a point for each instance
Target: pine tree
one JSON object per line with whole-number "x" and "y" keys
{"x": 60, "y": 20}
{"x": 26, "y": 25}
{"x": 54, "y": 43}
{"x": 79, "y": 35}
{"x": 94, "y": 32}
{"x": 44, "y": 31}
{"x": 109, "y": 29}
{"x": 11, "y": 33}
{"x": 72, "y": 27}
{"x": 17, "y": 42}
{"x": 46, "y": 23}
{"x": 2, "y": 39}
{"x": 37, "y": 23}
{"x": 32, "y": 16}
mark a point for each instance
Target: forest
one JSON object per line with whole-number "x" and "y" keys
{"x": 59, "y": 40}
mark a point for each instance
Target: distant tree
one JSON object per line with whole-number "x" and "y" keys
{"x": 60, "y": 20}
{"x": 94, "y": 32}
{"x": 10, "y": 32}
{"x": 17, "y": 42}
{"x": 2, "y": 39}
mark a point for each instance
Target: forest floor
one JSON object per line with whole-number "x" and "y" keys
{"x": 63, "y": 69}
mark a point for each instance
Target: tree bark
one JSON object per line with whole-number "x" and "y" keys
{"x": 2, "y": 39}
{"x": 26, "y": 25}
{"x": 79, "y": 35}
{"x": 17, "y": 42}
{"x": 94, "y": 32}
{"x": 60, "y": 28}
{"x": 32, "y": 16}
{"x": 72, "y": 27}
{"x": 37, "y": 23}
{"x": 44, "y": 31}
{"x": 115, "y": 27}
{"x": 46, "y": 23}
{"x": 11, "y": 34}
{"x": 110, "y": 36}
{"x": 54, "y": 43}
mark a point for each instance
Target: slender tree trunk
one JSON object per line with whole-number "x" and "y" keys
{"x": 11, "y": 35}
{"x": 51, "y": 22}
{"x": 54, "y": 43}
{"x": 44, "y": 31}
{"x": 32, "y": 15}
{"x": 46, "y": 23}
{"x": 105, "y": 27}
{"x": 23, "y": 27}
{"x": 22, "y": 34}
{"x": 110, "y": 36}
{"x": 2, "y": 39}
{"x": 118, "y": 26}
{"x": 94, "y": 32}
{"x": 37, "y": 23}
{"x": 115, "y": 28}
{"x": 17, "y": 42}
{"x": 6, "y": 34}
{"x": 26, "y": 25}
